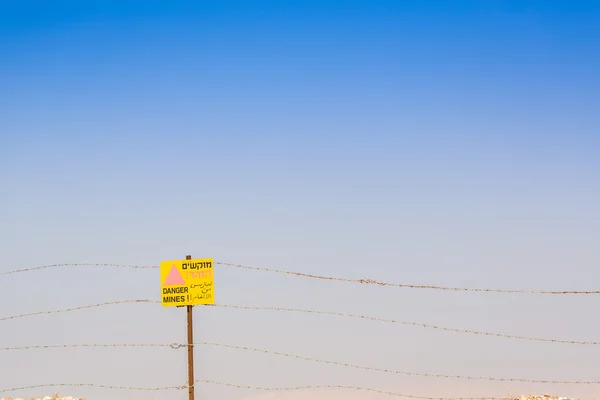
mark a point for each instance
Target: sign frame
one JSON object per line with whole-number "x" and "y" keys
{"x": 187, "y": 282}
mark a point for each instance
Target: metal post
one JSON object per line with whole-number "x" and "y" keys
{"x": 190, "y": 337}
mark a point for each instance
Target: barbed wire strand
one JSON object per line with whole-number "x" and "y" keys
{"x": 409, "y": 286}
{"x": 257, "y": 388}
{"x": 84, "y": 265}
{"x": 332, "y": 313}
{"x": 346, "y": 387}
{"x": 108, "y": 303}
{"x": 330, "y": 278}
{"x": 417, "y": 324}
{"x": 300, "y": 357}
{"x": 391, "y": 371}
{"x": 93, "y": 385}
{"x": 93, "y": 345}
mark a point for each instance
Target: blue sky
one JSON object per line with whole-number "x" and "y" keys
{"x": 451, "y": 143}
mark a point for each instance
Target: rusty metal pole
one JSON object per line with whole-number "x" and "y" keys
{"x": 190, "y": 337}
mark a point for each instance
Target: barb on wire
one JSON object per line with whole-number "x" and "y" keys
{"x": 417, "y": 324}
{"x": 345, "y": 387}
{"x": 81, "y": 265}
{"x": 391, "y": 371}
{"x": 109, "y": 303}
{"x": 409, "y": 286}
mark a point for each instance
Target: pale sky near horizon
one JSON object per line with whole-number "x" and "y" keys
{"x": 447, "y": 143}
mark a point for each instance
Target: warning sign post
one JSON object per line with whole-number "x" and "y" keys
{"x": 187, "y": 282}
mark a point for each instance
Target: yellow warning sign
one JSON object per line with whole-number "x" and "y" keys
{"x": 187, "y": 282}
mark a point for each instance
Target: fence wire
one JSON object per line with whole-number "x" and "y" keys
{"x": 64, "y": 310}
{"x": 307, "y": 358}
{"x": 347, "y": 387}
{"x": 397, "y": 372}
{"x": 94, "y": 385}
{"x": 409, "y": 323}
{"x": 365, "y": 281}
{"x": 319, "y": 312}
{"x": 410, "y": 286}
{"x": 80, "y": 265}
{"x": 92, "y": 345}
{"x": 249, "y": 387}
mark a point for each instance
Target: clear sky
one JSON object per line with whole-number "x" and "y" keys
{"x": 427, "y": 142}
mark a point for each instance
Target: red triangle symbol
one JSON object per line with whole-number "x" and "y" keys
{"x": 174, "y": 278}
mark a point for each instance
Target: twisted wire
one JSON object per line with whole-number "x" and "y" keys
{"x": 108, "y": 303}
{"x": 84, "y": 265}
{"x": 332, "y": 313}
{"x": 409, "y": 286}
{"x": 93, "y": 345}
{"x": 417, "y": 324}
{"x": 93, "y": 385}
{"x": 365, "y": 281}
{"x": 305, "y": 358}
{"x": 257, "y": 388}
{"x": 391, "y": 371}
{"x": 346, "y": 387}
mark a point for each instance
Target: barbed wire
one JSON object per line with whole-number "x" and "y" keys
{"x": 365, "y": 281}
{"x": 257, "y": 388}
{"x": 93, "y": 345}
{"x": 391, "y": 371}
{"x": 417, "y": 324}
{"x": 17, "y": 271}
{"x": 301, "y": 357}
{"x": 304, "y": 358}
{"x": 319, "y": 312}
{"x": 347, "y": 387}
{"x": 93, "y": 385}
{"x": 409, "y": 286}
{"x": 108, "y": 303}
